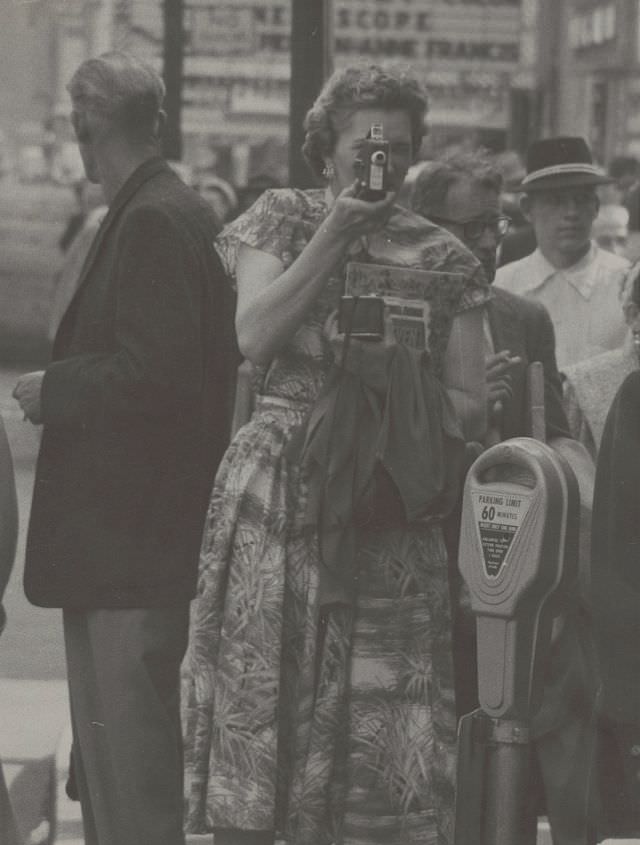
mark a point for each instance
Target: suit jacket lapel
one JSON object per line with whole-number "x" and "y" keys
{"x": 143, "y": 173}
{"x": 501, "y": 323}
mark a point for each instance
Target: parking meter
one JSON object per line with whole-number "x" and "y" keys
{"x": 518, "y": 558}
{"x": 518, "y": 550}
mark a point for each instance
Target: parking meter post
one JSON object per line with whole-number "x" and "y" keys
{"x": 507, "y": 817}
{"x": 535, "y": 401}
{"x": 472, "y": 762}
{"x": 492, "y": 796}
{"x": 518, "y": 557}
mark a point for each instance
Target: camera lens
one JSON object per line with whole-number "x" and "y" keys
{"x": 379, "y": 158}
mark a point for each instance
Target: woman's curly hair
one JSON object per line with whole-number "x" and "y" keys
{"x": 360, "y": 87}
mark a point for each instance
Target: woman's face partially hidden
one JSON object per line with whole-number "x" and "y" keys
{"x": 396, "y": 126}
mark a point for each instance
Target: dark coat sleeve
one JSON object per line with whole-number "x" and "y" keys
{"x": 615, "y": 545}
{"x": 616, "y": 517}
{"x": 155, "y": 369}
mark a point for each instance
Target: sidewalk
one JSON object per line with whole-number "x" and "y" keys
{"x": 36, "y": 764}
{"x": 69, "y": 818}
{"x": 34, "y": 717}
{"x": 35, "y": 740}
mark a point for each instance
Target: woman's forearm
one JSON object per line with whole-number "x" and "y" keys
{"x": 274, "y": 302}
{"x": 269, "y": 315}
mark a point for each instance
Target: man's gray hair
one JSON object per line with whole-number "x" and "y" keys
{"x": 436, "y": 178}
{"x": 118, "y": 89}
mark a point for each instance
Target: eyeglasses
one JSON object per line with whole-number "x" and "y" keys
{"x": 473, "y": 230}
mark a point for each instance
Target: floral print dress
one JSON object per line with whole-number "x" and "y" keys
{"x": 327, "y": 724}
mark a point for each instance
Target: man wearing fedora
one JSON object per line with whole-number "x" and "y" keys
{"x": 577, "y": 281}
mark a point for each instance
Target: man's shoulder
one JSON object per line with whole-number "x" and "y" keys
{"x": 611, "y": 260}
{"x": 592, "y": 369}
{"x": 612, "y": 267}
{"x": 167, "y": 201}
{"x": 526, "y": 308}
{"x": 513, "y": 277}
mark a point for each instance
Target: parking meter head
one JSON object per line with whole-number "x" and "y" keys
{"x": 518, "y": 556}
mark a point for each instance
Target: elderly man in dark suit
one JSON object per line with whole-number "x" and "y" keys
{"x": 135, "y": 421}
{"x": 461, "y": 192}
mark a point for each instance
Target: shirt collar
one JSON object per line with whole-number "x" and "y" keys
{"x": 580, "y": 275}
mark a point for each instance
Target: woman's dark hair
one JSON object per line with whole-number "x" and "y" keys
{"x": 360, "y": 87}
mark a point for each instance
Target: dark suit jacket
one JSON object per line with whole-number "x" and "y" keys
{"x": 524, "y": 327}
{"x": 134, "y": 407}
{"x": 615, "y": 552}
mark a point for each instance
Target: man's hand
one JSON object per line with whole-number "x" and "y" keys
{"x": 499, "y": 389}
{"x": 27, "y": 392}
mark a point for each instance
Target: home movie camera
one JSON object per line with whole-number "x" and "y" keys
{"x": 372, "y": 165}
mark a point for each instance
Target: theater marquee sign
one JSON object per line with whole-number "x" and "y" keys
{"x": 468, "y": 52}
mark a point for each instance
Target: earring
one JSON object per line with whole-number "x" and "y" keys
{"x": 329, "y": 171}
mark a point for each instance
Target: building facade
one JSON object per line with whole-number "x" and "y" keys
{"x": 589, "y": 73}
{"x": 477, "y": 57}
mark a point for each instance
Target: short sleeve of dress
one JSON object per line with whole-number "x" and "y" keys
{"x": 275, "y": 224}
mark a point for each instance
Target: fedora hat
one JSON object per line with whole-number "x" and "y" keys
{"x": 563, "y": 162}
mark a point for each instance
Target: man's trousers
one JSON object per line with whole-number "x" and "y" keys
{"x": 124, "y": 669}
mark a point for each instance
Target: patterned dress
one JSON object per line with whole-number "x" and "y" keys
{"x": 329, "y": 725}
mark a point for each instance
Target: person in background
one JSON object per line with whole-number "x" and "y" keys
{"x": 520, "y": 240}
{"x": 9, "y": 834}
{"x": 220, "y": 195}
{"x": 84, "y": 198}
{"x": 616, "y": 602}
{"x": 462, "y": 192}
{"x": 320, "y": 652}
{"x": 253, "y": 190}
{"x": 590, "y": 386}
{"x": 577, "y": 281}
{"x": 625, "y": 173}
{"x": 611, "y": 229}
{"x": 134, "y": 422}
{"x": 76, "y": 249}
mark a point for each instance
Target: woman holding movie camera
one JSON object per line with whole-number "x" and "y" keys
{"x": 318, "y": 679}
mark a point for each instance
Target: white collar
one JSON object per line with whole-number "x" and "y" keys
{"x": 580, "y": 275}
